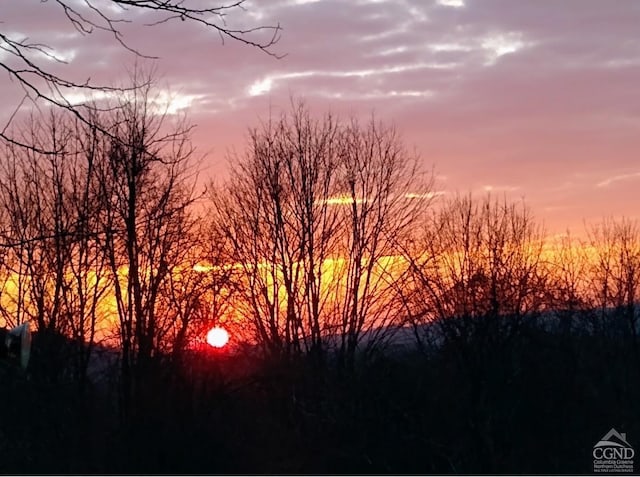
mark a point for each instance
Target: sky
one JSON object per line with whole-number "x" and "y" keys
{"x": 532, "y": 99}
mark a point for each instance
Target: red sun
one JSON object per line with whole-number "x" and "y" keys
{"x": 217, "y": 337}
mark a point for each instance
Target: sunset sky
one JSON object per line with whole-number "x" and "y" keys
{"x": 537, "y": 99}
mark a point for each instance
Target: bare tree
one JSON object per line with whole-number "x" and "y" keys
{"x": 384, "y": 195}
{"x": 196, "y": 294}
{"x": 107, "y": 219}
{"x": 18, "y": 233}
{"x": 311, "y": 215}
{"x": 479, "y": 277}
{"x": 51, "y": 215}
{"x": 615, "y": 278}
{"x": 480, "y": 261}
{"x": 147, "y": 180}
{"x": 34, "y": 198}
{"x": 568, "y": 288}
{"x": 87, "y": 272}
{"x": 280, "y": 228}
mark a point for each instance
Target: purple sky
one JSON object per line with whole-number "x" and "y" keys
{"x": 537, "y": 99}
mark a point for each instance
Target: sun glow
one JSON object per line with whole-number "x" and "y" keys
{"x": 342, "y": 200}
{"x": 217, "y": 337}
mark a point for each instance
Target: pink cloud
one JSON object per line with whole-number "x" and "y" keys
{"x": 491, "y": 92}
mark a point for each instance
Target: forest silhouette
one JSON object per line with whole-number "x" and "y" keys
{"x": 377, "y": 324}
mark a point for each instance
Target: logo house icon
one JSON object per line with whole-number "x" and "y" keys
{"x": 613, "y": 453}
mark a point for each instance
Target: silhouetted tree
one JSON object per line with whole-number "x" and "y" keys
{"x": 280, "y": 229}
{"x": 569, "y": 279}
{"x": 196, "y": 294}
{"x": 384, "y": 195}
{"x": 478, "y": 262}
{"x": 479, "y": 281}
{"x": 49, "y": 200}
{"x": 147, "y": 181}
{"x": 614, "y": 289}
{"x": 311, "y": 214}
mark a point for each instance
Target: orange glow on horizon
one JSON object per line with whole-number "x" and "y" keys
{"x": 556, "y": 254}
